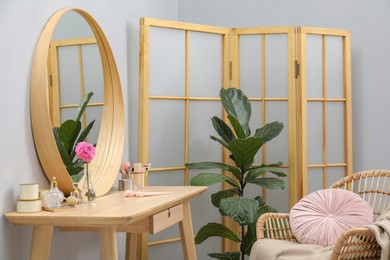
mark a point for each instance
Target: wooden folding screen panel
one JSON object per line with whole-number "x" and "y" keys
{"x": 264, "y": 67}
{"x": 182, "y": 68}
{"x": 325, "y": 111}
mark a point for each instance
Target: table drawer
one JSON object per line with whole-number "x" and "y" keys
{"x": 166, "y": 218}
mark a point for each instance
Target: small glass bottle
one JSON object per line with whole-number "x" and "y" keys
{"x": 54, "y": 197}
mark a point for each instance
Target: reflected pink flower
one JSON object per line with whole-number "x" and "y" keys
{"x": 85, "y": 151}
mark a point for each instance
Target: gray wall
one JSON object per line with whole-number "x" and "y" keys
{"x": 22, "y": 21}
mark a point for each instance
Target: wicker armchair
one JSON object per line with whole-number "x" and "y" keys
{"x": 357, "y": 243}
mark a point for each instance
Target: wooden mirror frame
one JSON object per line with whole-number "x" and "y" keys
{"x": 109, "y": 151}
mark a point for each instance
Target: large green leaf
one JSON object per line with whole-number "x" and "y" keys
{"x": 215, "y": 165}
{"x": 219, "y": 140}
{"x": 222, "y": 129}
{"x": 242, "y": 210}
{"x": 216, "y": 197}
{"x": 83, "y": 104}
{"x": 207, "y": 179}
{"x": 76, "y": 167}
{"x": 268, "y": 183}
{"x": 215, "y": 230}
{"x": 77, "y": 177}
{"x": 69, "y": 130}
{"x": 255, "y": 173}
{"x": 278, "y": 164}
{"x": 226, "y": 256}
{"x": 240, "y": 132}
{"x": 269, "y": 131}
{"x": 236, "y": 104}
{"x": 244, "y": 151}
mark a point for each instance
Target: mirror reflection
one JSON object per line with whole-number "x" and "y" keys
{"x": 75, "y": 69}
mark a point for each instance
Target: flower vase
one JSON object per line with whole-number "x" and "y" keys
{"x": 89, "y": 194}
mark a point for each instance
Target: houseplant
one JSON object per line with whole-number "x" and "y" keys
{"x": 243, "y": 148}
{"x": 68, "y": 135}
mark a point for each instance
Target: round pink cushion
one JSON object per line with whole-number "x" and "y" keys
{"x": 322, "y": 216}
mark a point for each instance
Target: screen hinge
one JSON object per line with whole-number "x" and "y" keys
{"x": 51, "y": 80}
{"x": 230, "y": 70}
{"x": 297, "y": 69}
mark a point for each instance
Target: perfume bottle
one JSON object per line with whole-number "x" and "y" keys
{"x": 54, "y": 197}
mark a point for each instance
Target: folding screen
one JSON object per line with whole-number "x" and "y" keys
{"x": 182, "y": 68}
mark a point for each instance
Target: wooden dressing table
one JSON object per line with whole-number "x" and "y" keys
{"x": 116, "y": 213}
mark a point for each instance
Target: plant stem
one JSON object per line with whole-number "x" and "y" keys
{"x": 242, "y": 243}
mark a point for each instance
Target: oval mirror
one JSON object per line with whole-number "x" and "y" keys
{"x": 73, "y": 58}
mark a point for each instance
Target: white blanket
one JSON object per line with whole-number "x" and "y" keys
{"x": 381, "y": 230}
{"x": 270, "y": 249}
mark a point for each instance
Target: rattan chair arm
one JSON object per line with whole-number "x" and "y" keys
{"x": 274, "y": 226}
{"x": 356, "y": 243}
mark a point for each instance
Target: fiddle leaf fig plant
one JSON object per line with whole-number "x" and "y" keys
{"x": 243, "y": 147}
{"x": 68, "y": 135}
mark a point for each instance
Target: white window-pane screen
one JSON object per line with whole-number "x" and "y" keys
{"x": 255, "y": 123}
{"x": 277, "y": 149}
{"x": 166, "y": 178}
{"x": 167, "y": 62}
{"x": 250, "y": 65}
{"x": 68, "y": 113}
{"x": 93, "y": 72}
{"x": 315, "y": 133}
{"x": 72, "y": 25}
{"x": 205, "y": 76}
{"x": 335, "y": 132}
{"x": 69, "y": 74}
{"x": 315, "y": 179}
{"x": 166, "y": 133}
{"x": 201, "y": 147}
{"x": 276, "y": 66}
{"x": 335, "y": 174}
{"x": 94, "y": 113}
{"x": 279, "y": 199}
{"x": 173, "y": 250}
{"x": 314, "y": 66}
{"x": 334, "y": 67}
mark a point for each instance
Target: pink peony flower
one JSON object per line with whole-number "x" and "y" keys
{"x": 85, "y": 151}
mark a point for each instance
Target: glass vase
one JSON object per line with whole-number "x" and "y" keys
{"x": 89, "y": 194}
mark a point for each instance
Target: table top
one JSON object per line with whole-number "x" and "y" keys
{"x": 112, "y": 209}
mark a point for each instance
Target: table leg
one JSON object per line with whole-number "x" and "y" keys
{"x": 41, "y": 242}
{"x": 187, "y": 234}
{"x": 131, "y": 246}
{"x": 108, "y": 244}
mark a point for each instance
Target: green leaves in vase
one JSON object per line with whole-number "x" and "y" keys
{"x": 235, "y": 137}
